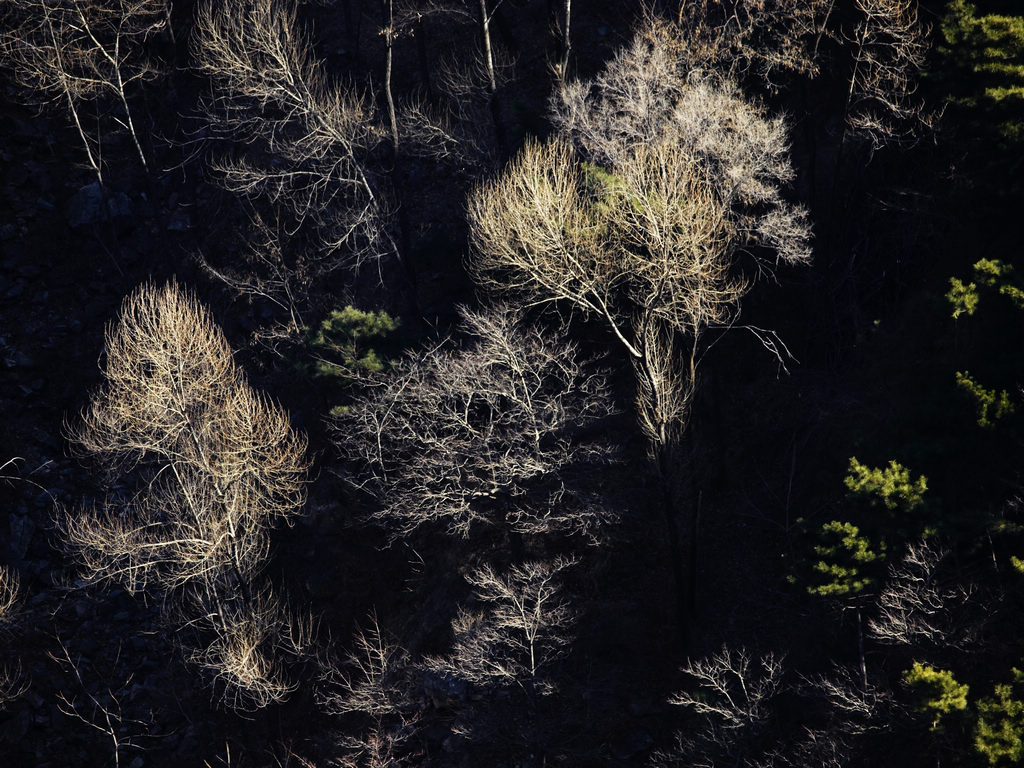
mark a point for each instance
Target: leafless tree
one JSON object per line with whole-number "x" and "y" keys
{"x": 817, "y": 747}
{"x": 759, "y": 37}
{"x": 637, "y": 212}
{"x": 9, "y": 584}
{"x": 520, "y": 632}
{"x": 563, "y": 32}
{"x": 307, "y": 139}
{"x": 916, "y": 606}
{"x": 483, "y": 435}
{"x": 855, "y": 706}
{"x": 889, "y": 46}
{"x": 102, "y": 711}
{"x": 464, "y": 126}
{"x": 732, "y": 696}
{"x": 477, "y": 13}
{"x": 267, "y": 269}
{"x": 852, "y": 710}
{"x": 83, "y": 54}
{"x": 374, "y": 681}
{"x": 245, "y": 644}
{"x": 692, "y": 177}
{"x": 505, "y": 651}
{"x": 220, "y": 465}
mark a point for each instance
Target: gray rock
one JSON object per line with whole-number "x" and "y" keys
{"x": 180, "y": 222}
{"x": 22, "y": 530}
{"x": 86, "y": 206}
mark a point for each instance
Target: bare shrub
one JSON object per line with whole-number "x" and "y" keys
{"x": 505, "y": 651}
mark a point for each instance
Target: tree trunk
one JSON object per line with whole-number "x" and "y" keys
{"x": 664, "y": 463}
{"x": 388, "y": 17}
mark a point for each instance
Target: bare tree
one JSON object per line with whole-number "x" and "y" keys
{"x": 220, "y": 465}
{"x": 505, "y": 652}
{"x": 691, "y": 176}
{"x": 856, "y": 704}
{"x": 889, "y": 46}
{"x": 84, "y": 54}
{"x": 760, "y": 37}
{"x": 469, "y": 74}
{"x": 267, "y": 269}
{"x": 637, "y": 213}
{"x": 307, "y": 139}
{"x": 102, "y": 711}
{"x": 520, "y": 632}
{"x": 483, "y": 435}
{"x": 732, "y": 695}
{"x": 375, "y": 682}
{"x": 916, "y": 606}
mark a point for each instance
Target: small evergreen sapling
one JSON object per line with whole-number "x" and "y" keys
{"x": 999, "y": 733}
{"x": 938, "y": 692}
{"x": 991, "y": 405}
{"x": 892, "y": 487}
{"x": 845, "y": 557}
{"x": 351, "y": 337}
{"x": 349, "y": 346}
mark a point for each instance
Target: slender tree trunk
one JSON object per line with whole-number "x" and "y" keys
{"x": 485, "y": 28}
{"x": 835, "y": 209}
{"x": 388, "y": 19}
{"x": 566, "y": 39}
{"x": 492, "y": 83}
{"x": 388, "y": 14}
{"x": 693, "y": 548}
{"x": 860, "y": 651}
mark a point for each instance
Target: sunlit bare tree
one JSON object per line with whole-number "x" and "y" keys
{"x": 307, "y": 138}
{"x": 732, "y": 693}
{"x": 12, "y": 682}
{"x": 375, "y": 682}
{"x": 85, "y": 56}
{"x": 484, "y": 435}
{"x": 763, "y": 38}
{"x": 220, "y": 465}
{"x": 505, "y": 648}
{"x": 638, "y": 211}
{"x": 889, "y": 46}
{"x": 916, "y": 605}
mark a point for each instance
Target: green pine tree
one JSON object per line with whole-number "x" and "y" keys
{"x": 999, "y": 732}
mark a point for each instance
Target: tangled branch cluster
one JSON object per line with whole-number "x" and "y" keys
{"x": 483, "y": 435}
